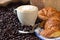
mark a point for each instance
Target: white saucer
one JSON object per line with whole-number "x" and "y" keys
{"x": 25, "y": 31}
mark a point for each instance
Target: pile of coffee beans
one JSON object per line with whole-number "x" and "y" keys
{"x": 25, "y": 28}
{"x": 9, "y": 25}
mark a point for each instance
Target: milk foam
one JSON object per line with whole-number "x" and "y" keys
{"x": 27, "y": 8}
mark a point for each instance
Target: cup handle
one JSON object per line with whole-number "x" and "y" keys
{"x": 15, "y": 11}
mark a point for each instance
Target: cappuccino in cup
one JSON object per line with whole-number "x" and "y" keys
{"x": 27, "y": 14}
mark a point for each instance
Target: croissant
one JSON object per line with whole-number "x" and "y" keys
{"x": 52, "y": 25}
{"x": 46, "y": 13}
{"x": 50, "y": 33}
{"x": 55, "y": 34}
{"x": 47, "y": 33}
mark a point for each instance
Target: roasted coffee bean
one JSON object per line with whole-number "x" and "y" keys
{"x": 27, "y": 28}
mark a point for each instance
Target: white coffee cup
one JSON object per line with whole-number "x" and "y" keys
{"x": 27, "y": 14}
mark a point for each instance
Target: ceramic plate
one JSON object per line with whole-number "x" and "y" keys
{"x": 38, "y": 30}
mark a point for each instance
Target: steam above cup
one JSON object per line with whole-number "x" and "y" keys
{"x": 27, "y": 14}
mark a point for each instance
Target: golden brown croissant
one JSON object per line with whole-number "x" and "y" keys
{"x": 56, "y": 16}
{"x": 47, "y": 33}
{"x": 46, "y": 13}
{"x": 55, "y": 34}
{"x": 52, "y": 25}
{"x": 50, "y": 33}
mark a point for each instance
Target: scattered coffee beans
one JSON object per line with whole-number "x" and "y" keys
{"x": 9, "y": 25}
